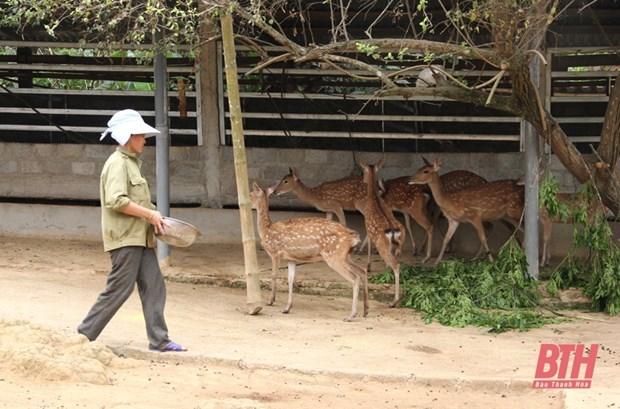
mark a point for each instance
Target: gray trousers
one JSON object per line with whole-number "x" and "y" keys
{"x": 130, "y": 265}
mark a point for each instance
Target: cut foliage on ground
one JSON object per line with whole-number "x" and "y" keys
{"x": 598, "y": 274}
{"x": 498, "y": 295}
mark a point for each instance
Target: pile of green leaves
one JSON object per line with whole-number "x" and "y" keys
{"x": 498, "y": 295}
{"x": 599, "y": 273}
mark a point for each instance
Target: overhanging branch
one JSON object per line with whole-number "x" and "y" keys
{"x": 476, "y": 97}
{"x": 609, "y": 148}
{"x": 398, "y": 44}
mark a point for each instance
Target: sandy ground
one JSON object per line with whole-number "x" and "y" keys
{"x": 307, "y": 359}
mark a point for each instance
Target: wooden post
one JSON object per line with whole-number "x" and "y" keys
{"x": 162, "y": 141}
{"x": 207, "y": 101}
{"x": 254, "y": 300}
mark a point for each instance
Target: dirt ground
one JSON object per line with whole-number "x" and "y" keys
{"x": 309, "y": 358}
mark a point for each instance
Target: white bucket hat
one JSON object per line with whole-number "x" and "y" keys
{"x": 125, "y": 123}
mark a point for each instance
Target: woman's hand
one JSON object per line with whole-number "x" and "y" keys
{"x": 158, "y": 221}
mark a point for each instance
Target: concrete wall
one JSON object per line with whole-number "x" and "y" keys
{"x": 71, "y": 171}
{"x": 84, "y": 222}
{"x": 268, "y": 166}
{"x": 66, "y": 171}
{"x": 222, "y": 226}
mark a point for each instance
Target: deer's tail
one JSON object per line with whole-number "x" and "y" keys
{"x": 393, "y": 236}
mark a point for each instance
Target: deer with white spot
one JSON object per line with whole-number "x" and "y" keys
{"x": 410, "y": 200}
{"x": 380, "y": 228}
{"x": 332, "y": 197}
{"x": 474, "y": 205}
{"x": 308, "y": 239}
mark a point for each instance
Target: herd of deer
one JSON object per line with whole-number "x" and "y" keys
{"x": 462, "y": 196}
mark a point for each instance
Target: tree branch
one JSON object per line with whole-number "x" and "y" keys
{"x": 272, "y": 32}
{"x": 348, "y": 73}
{"x": 362, "y": 65}
{"x": 398, "y": 44}
{"x": 502, "y": 103}
{"x": 609, "y": 148}
{"x": 278, "y": 58}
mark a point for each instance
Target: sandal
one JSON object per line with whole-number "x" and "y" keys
{"x": 169, "y": 347}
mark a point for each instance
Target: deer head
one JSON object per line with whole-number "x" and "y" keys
{"x": 379, "y": 165}
{"x": 425, "y": 174}
{"x": 374, "y": 169}
{"x": 287, "y": 183}
{"x": 258, "y": 193}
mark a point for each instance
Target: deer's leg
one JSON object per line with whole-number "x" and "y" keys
{"x": 364, "y": 279}
{"x": 398, "y": 240}
{"x": 396, "y": 270}
{"x": 392, "y": 262}
{"x": 477, "y": 223}
{"x": 369, "y": 251}
{"x": 452, "y": 225}
{"x": 340, "y": 214}
{"x": 420, "y": 215}
{"x": 512, "y": 223}
{"x": 547, "y": 225}
{"x": 365, "y": 243}
{"x": 291, "y": 281}
{"x": 342, "y": 267}
{"x": 364, "y": 275}
{"x": 435, "y": 214}
{"x": 275, "y": 265}
{"x": 410, "y": 231}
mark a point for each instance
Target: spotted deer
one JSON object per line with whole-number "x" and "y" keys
{"x": 452, "y": 182}
{"x": 411, "y": 201}
{"x": 331, "y": 197}
{"x": 308, "y": 240}
{"x": 474, "y": 205}
{"x": 380, "y": 228}
{"x": 572, "y": 202}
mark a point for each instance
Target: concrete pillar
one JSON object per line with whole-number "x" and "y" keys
{"x": 532, "y": 158}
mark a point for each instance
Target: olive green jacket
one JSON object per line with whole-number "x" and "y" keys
{"x": 120, "y": 183}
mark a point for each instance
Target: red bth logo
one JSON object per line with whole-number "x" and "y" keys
{"x": 554, "y": 369}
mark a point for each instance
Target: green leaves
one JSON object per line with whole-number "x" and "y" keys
{"x": 497, "y": 295}
{"x": 108, "y": 21}
{"x": 599, "y": 274}
{"x": 547, "y": 196}
{"x": 370, "y": 50}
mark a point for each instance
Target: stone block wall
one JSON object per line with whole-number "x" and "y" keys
{"x": 268, "y": 166}
{"x": 68, "y": 171}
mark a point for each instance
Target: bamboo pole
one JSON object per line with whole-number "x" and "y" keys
{"x": 254, "y": 301}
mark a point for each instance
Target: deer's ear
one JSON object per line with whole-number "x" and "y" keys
{"x": 380, "y": 164}
{"x": 294, "y": 173}
{"x": 255, "y": 186}
{"x": 436, "y": 164}
{"x": 426, "y": 162}
{"x": 381, "y": 186}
